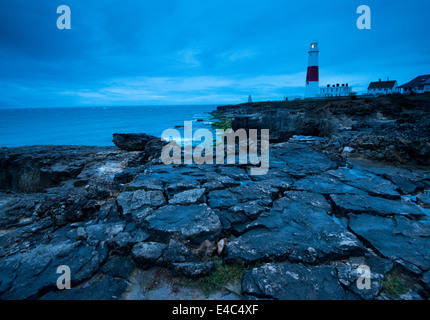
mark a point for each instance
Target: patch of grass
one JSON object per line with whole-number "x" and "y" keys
{"x": 217, "y": 279}
{"x": 393, "y": 286}
{"x": 220, "y": 121}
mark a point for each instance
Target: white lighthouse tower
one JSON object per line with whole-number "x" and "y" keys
{"x": 312, "y": 76}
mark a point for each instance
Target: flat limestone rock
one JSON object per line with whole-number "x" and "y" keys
{"x": 301, "y": 160}
{"x": 293, "y": 282}
{"x": 399, "y": 239}
{"x": 325, "y": 184}
{"x": 374, "y": 205}
{"x": 297, "y": 228}
{"x": 108, "y": 288}
{"x": 367, "y": 182}
{"x": 25, "y": 275}
{"x": 194, "y": 222}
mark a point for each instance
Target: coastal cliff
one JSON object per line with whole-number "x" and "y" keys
{"x": 393, "y": 128}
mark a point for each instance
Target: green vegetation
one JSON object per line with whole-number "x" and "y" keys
{"x": 217, "y": 279}
{"x": 393, "y": 286}
{"x": 220, "y": 121}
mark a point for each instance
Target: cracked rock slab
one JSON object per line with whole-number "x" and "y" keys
{"x": 297, "y": 228}
{"x": 399, "y": 239}
{"x": 293, "y": 282}
{"x": 195, "y": 223}
{"x": 367, "y": 182}
{"x": 374, "y": 205}
{"x": 326, "y": 184}
{"x": 26, "y": 275}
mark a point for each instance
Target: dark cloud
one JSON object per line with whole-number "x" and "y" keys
{"x": 190, "y": 50}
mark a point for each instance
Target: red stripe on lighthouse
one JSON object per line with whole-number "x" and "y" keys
{"x": 312, "y": 74}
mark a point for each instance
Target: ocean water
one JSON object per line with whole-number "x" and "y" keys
{"x": 93, "y": 126}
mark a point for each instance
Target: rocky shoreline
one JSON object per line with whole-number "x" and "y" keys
{"x": 131, "y": 227}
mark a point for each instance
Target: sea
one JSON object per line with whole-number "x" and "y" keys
{"x": 94, "y": 126}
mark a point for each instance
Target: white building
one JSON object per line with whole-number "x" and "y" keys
{"x": 378, "y": 88}
{"x": 420, "y": 84}
{"x": 336, "y": 90}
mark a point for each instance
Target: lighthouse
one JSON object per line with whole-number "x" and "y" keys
{"x": 312, "y": 76}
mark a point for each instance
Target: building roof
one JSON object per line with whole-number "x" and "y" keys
{"x": 382, "y": 84}
{"x": 420, "y": 80}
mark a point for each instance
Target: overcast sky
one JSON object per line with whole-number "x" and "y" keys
{"x": 151, "y": 52}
